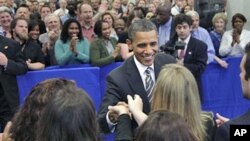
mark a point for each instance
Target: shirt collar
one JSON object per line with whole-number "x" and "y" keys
{"x": 186, "y": 40}
{"x": 142, "y": 67}
{"x": 168, "y": 23}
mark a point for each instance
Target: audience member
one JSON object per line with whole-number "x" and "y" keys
{"x": 223, "y": 132}
{"x": 108, "y": 17}
{"x": 202, "y": 34}
{"x": 63, "y": 8}
{"x": 86, "y": 13}
{"x": 72, "y": 8}
{"x": 233, "y": 42}
{"x": 194, "y": 54}
{"x": 177, "y": 8}
{"x": 95, "y": 5}
{"x": 152, "y": 8}
{"x": 12, "y": 63}
{"x": 2, "y": 3}
{"x": 69, "y": 116}
{"x": 164, "y": 24}
{"x": 164, "y": 126}
{"x": 72, "y": 47}
{"x": 116, "y": 8}
{"x": 29, "y": 114}
{"x": 44, "y": 11}
{"x": 5, "y": 20}
{"x": 103, "y": 50}
{"x": 31, "y": 49}
{"x": 34, "y": 31}
{"x": 23, "y": 11}
{"x": 49, "y": 39}
{"x": 219, "y": 24}
{"x": 135, "y": 14}
{"x": 130, "y": 77}
{"x": 176, "y": 91}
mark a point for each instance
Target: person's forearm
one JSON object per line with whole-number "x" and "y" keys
{"x": 36, "y": 66}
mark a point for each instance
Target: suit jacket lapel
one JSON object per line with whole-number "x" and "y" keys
{"x": 134, "y": 77}
{"x": 136, "y": 84}
{"x": 189, "y": 50}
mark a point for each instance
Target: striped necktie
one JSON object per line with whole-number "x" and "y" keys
{"x": 149, "y": 83}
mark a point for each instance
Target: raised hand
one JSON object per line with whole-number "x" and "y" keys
{"x": 116, "y": 51}
{"x": 73, "y": 43}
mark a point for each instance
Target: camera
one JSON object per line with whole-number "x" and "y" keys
{"x": 172, "y": 50}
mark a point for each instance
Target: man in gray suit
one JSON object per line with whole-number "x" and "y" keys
{"x": 223, "y": 132}
{"x": 130, "y": 78}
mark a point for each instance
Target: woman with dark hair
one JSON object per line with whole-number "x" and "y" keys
{"x": 164, "y": 126}
{"x": 24, "y": 123}
{"x": 103, "y": 50}
{"x": 34, "y": 31}
{"x": 108, "y": 17}
{"x": 69, "y": 116}
{"x": 234, "y": 41}
{"x": 72, "y": 48}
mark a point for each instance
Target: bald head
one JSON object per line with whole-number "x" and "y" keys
{"x": 86, "y": 13}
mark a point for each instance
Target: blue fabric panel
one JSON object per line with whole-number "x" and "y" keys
{"x": 222, "y": 89}
{"x": 85, "y": 77}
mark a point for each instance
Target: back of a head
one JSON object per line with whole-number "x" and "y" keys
{"x": 176, "y": 91}
{"x": 28, "y": 115}
{"x": 164, "y": 126}
{"x": 69, "y": 116}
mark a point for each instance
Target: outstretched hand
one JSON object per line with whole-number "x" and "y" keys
{"x": 221, "y": 119}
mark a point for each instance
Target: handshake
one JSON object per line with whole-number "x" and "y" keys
{"x": 134, "y": 108}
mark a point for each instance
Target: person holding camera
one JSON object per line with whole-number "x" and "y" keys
{"x": 193, "y": 53}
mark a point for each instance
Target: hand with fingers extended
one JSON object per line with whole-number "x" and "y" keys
{"x": 135, "y": 106}
{"x": 6, "y": 136}
{"x": 221, "y": 119}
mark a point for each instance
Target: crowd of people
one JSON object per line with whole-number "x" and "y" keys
{"x": 155, "y": 94}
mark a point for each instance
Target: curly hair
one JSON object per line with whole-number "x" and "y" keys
{"x": 69, "y": 116}
{"x": 24, "y": 123}
{"x": 65, "y": 30}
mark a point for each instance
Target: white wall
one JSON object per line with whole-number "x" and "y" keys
{"x": 238, "y": 6}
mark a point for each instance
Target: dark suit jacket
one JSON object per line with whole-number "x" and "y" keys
{"x": 195, "y": 58}
{"x": 127, "y": 80}
{"x": 16, "y": 66}
{"x": 223, "y": 132}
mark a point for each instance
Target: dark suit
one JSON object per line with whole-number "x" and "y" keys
{"x": 223, "y": 132}
{"x": 195, "y": 58}
{"x": 9, "y": 98}
{"x": 127, "y": 80}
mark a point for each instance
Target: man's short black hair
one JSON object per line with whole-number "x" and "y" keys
{"x": 182, "y": 18}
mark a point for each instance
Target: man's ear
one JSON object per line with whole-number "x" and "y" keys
{"x": 129, "y": 43}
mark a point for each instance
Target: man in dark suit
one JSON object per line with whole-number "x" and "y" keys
{"x": 223, "y": 132}
{"x": 11, "y": 64}
{"x": 130, "y": 78}
{"x": 194, "y": 55}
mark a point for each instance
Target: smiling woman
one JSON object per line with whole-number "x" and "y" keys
{"x": 5, "y": 20}
{"x": 72, "y": 47}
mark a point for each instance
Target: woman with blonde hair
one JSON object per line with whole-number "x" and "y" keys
{"x": 176, "y": 91}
